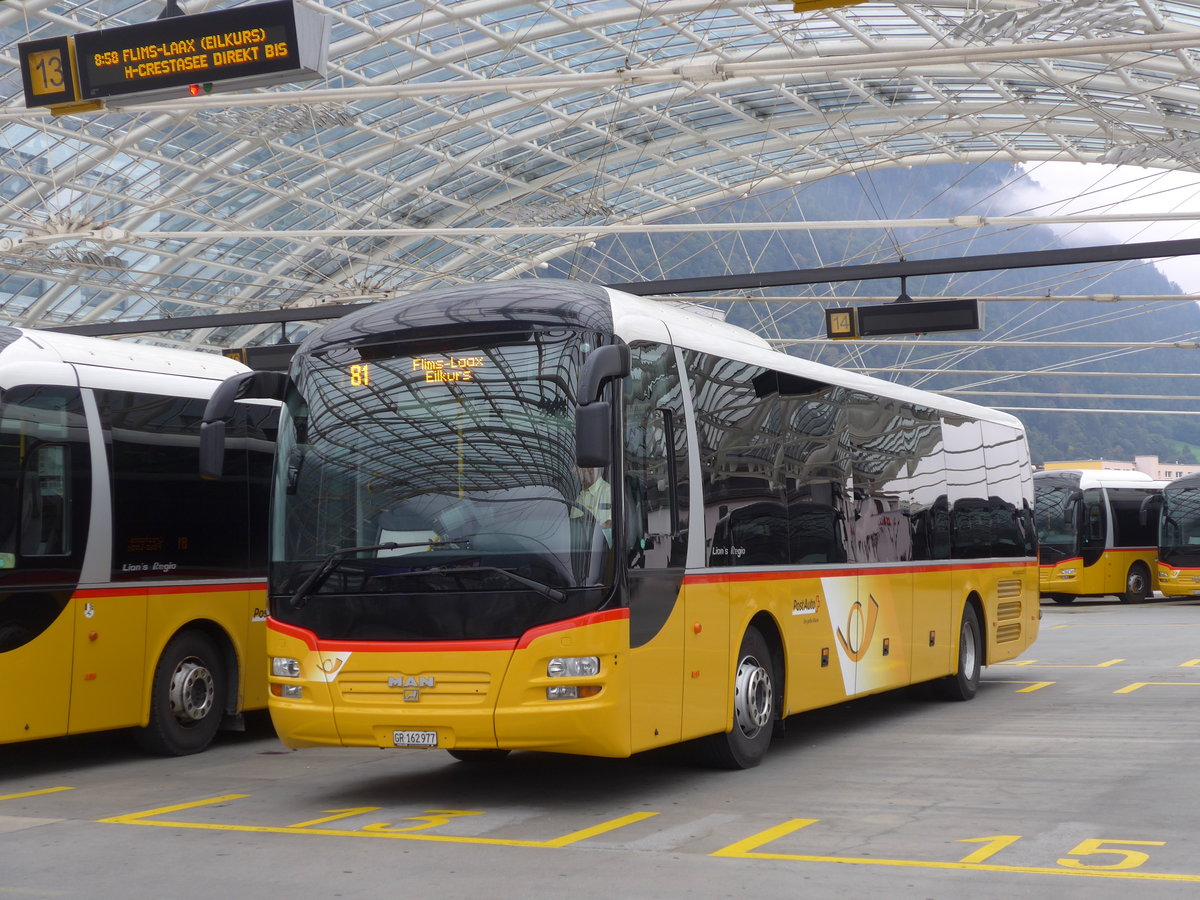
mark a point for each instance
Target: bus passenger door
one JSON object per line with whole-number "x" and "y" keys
{"x": 45, "y": 480}
{"x": 655, "y": 505}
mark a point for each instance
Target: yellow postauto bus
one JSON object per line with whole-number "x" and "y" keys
{"x": 1096, "y": 537}
{"x": 132, "y": 593}
{"x": 551, "y": 516}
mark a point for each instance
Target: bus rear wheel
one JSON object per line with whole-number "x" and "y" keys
{"x": 1137, "y": 584}
{"x": 187, "y": 699}
{"x": 963, "y": 684}
{"x": 754, "y": 704}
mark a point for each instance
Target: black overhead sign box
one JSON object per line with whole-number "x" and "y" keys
{"x": 911, "y": 317}
{"x": 225, "y": 50}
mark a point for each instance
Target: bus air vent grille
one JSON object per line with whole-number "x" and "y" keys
{"x": 1008, "y": 588}
{"x": 1010, "y": 609}
{"x": 1008, "y": 632}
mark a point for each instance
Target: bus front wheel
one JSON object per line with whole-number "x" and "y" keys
{"x": 754, "y": 703}
{"x": 1137, "y": 584}
{"x": 963, "y": 684}
{"x": 187, "y": 699}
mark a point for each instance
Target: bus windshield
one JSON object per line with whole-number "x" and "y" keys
{"x": 1055, "y": 510}
{"x": 427, "y": 490}
{"x": 1179, "y": 525}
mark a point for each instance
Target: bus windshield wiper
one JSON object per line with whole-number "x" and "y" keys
{"x": 545, "y": 590}
{"x": 330, "y": 563}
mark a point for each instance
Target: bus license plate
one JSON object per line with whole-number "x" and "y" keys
{"x": 426, "y": 739}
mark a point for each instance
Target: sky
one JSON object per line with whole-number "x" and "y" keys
{"x": 1074, "y": 188}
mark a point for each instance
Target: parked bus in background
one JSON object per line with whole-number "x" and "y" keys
{"x": 551, "y": 516}
{"x": 132, "y": 592}
{"x": 1179, "y": 537}
{"x": 1093, "y": 537}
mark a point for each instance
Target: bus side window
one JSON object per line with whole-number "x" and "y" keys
{"x": 1095, "y": 525}
{"x": 44, "y": 503}
{"x": 655, "y": 460}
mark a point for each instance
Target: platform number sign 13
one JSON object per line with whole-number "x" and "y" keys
{"x": 48, "y": 72}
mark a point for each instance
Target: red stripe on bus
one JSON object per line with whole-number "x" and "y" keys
{"x": 1063, "y": 562}
{"x": 795, "y": 574}
{"x": 508, "y": 644}
{"x": 133, "y": 588}
{"x": 314, "y": 643}
{"x": 609, "y": 615}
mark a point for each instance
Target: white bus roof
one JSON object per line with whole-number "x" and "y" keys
{"x": 708, "y": 335}
{"x": 29, "y": 346}
{"x": 1115, "y": 478}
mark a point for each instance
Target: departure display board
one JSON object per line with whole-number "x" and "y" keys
{"x": 913, "y": 317}
{"x": 229, "y": 49}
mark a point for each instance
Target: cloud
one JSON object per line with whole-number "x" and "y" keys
{"x": 1078, "y": 189}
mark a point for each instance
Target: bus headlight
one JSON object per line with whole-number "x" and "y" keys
{"x": 287, "y": 691}
{"x": 572, "y": 691}
{"x": 573, "y": 666}
{"x": 1067, "y": 573}
{"x": 283, "y": 667}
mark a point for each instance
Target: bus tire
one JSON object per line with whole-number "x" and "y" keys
{"x": 963, "y": 684}
{"x": 479, "y": 756}
{"x": 187, "y": 699}
{"x": 755, "y": 694}
{"x": 1064, "y": 599}
{"x": 1137, "y": 584}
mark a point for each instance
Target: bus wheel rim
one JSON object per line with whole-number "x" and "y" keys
{"x": 969, "y": 644}
{"x": 754, "y": 697}
{"x": 192, "y": 692}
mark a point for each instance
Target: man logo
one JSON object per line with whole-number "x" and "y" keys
{"x": 408, "y": 681}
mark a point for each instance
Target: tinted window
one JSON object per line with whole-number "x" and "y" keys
{"x": 740, "y": 439}
{"x": 656, "y": 463}
{"x": 167, "y": 521}
{"x": 45, "y": 502}
{"x": 45, "y": 491}
{"x": 1130, "y": 527}
{"x": 896, "y": 453}
{"x": 775, "y": 467}
{"x": 1010, "y": 490}
{"x": 967, "y": 490}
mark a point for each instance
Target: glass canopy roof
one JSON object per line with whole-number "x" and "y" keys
{"x": 480, "y": 139}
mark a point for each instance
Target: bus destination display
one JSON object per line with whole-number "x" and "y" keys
{"x": 231, "y": 49}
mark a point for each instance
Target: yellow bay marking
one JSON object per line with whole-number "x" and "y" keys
{"x": 341, "y": 814}
{"x": 149, "y": 817}
{"x": 748, "y": 849}
{"x": 53, "y": 790}
{"x": 1034, "y": 664}
{"x": 1192, "y": 663}
{"x": 1030, "y": 686}
{"x": 432, "y": 819}
{"x": 1137, "y": 685}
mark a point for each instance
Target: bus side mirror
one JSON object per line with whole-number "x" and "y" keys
{"x": 593, "y": 435}
{"x": 243, "y": 386}
{"x": 593, "y": 417}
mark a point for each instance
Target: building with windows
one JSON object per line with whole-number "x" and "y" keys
{"x": 1151, "y": 465}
